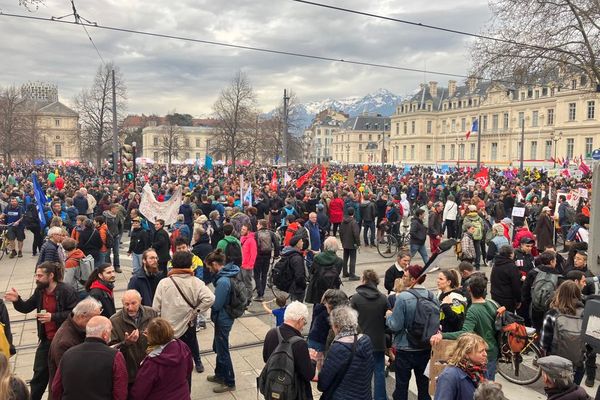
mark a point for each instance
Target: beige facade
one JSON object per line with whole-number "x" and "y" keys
{"x": 59, "y": 132}
{"x": 193, "y": 142}
{"x": 360, "y": 140}
{"x": 430, "y": 128}
{"x": 319, "y": 137}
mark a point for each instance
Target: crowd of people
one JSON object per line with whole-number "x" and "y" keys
{"x": 216, "y": 258}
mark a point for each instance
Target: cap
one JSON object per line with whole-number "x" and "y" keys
{"x": 295, "y": 239}
{"x": 472, "y": 207}
{"x": 527, "y": 240}
{"x": 556, "y": 367}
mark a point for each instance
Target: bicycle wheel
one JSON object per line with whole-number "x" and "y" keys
{"x": 387, "y": 247}
{"x": 404, "y": 240}
{"x": 519, "y": 368}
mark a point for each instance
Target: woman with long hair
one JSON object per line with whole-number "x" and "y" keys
{"x": 453, "y": 302}
{"x": 465, "y": 370}
{"x": 166, "y": 372}
{"x": 565, "y": 313}
{"x": 11, "y": 387}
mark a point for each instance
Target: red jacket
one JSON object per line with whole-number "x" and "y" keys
{"x": 290, "y": 232}
{"x": 249, "y": 250}
{"x": 336, "y": 211}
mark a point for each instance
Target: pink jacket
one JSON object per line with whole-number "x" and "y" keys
{"x": 249, "y": 250}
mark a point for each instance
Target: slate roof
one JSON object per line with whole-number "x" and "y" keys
{"x": 58, "y": 108}
{"x": 367, "y": 123}
{"x": 424, "y": 94}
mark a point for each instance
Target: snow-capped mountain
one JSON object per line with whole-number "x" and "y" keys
{"x": 380, "y": 102}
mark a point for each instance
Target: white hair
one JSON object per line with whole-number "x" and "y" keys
{"x": 87, "y": 306}
{"x": 344, "y": 318}
{"x": 331, "y": 244}
{"x": 295, "y": 311}
{"x": 132, "y": 292}
{"x": 55, "y": 230}
{"x": 97, "y": 326}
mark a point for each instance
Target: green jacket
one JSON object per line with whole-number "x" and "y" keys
{"x": 226, "y": 240}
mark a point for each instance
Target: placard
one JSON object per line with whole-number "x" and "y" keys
{"x": 518, "y": 212}
{"x": 591, "y": 323}
{"x": 440, "y": 354}
{"x": 351, "y": 177}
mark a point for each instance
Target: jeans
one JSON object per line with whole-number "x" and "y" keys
{"x": 349, "y": 254}
{"x": 224, "y": 366}
{"x": 379, "y": 376}
{"x": 451, "y": 228}
{"x": 477, "y": 261}
{"x": 369, "y": 232}
{"x": 102, "y": 258}
{"x": 578, "y": 376}
{"x": 420, "y": 248}
{"x": 261, "y": 270}
{"x": 247, "y": 278}
{"x": 406, "y": 362}
{"x": 490, "y": 373}
{"x": 41, "y": 374}
{"x": 136, "y": 261}
{"x": 190, "y": 338}
{"x": 115, "y": 250}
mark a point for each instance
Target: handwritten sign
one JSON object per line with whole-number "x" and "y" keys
{"x": 152, "y": 209}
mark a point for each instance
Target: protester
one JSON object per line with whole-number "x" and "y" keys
{"x": 268, "y": 247}
{"x": 418, "y": 236}
{"x": 50, "y": 251}
{"x": 396, "y": 271}
{"x": 139, "y": 242}
{"x": 11, "y": 386}
{"x": 146, "y": 280}
{"x": 292, "y": 256}
{"x": 453, "y": 302}
{"x": 249, "y": 253}
{"x": 324, "y": 272}
{"x": 557, "y": 373}
{"x": 100, "y": 285}
{"x": 505, "y": 279}
{"x": 161, "y": 245}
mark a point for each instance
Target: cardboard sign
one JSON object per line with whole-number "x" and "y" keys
{"x": 518, "y": 212}
{"x": 438, "y": 361}
{"x": 351, "y": 177}
{"x": 591, "y": 323}
{"x": 583, "y": 193}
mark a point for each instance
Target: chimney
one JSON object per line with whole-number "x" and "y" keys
{"x": 433, "y": 89}
{"x": 472, "y": 83}
{"x": 451, "y": 88}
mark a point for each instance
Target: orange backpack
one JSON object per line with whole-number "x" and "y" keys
{"x": 516, "y": 336}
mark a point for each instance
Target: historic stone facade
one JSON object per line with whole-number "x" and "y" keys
{"x": 193, "y": 142}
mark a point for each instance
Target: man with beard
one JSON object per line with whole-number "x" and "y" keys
{"x": 100, "y": 286}
{"x": 147, "y": 278}
{"x": 53, "y": 301}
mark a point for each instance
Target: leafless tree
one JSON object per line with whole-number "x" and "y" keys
{"x": 560, "y": 35}
{"x": 234, "y": 109}
{"x": 170, "y": 142}
{"x": 95, "y": 111}
{"x": 31, "y": 5}
{"x": 14, "y": 123}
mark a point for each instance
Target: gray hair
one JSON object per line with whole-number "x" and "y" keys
{"x": 295, "y": 311}
{"x": 55, "y": 230}
{"x": 132, "y": 292}
{"x": 331, "y": 244}
{"x": 214, "y": 214}
{"x": 97, "y": 326}
{"x": 86, "y": 307}
{"x": 344, "y": 318}
{"x": 506, "y": 251}
{"x": 489, "y": 391}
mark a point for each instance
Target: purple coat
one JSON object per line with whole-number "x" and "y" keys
{"x": 164, "y": 374}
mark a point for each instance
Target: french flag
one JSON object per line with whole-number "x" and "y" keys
{"x": 474, "y": 128}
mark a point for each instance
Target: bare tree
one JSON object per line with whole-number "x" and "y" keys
{"x": 95, "y": 112}
{"x": 234, "y": 109}
{"x": 31, "y": 5}
{"x": 15, "y": 123}
{"x": 560, "y": 35}
{"x": 171, "y": 141}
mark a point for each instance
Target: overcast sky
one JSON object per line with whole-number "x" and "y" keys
{"x": 164, "y": 74}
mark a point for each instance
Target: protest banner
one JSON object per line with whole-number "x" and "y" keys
{"x": 153, "y": 209}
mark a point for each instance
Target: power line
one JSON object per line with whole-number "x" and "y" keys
{"x": 427, "y": 26}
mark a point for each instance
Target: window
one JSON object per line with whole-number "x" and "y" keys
{"x": 197, "y": 142}
{"x": 572, "y": 111}
{"x": 494, "y": 151}
{"x": 360, "y": 136}
{"x": 535, "y": 116}
{"x": 404, "y": 152}
{"x": 429, "y": 123}
{"x": 453, "y": 125}
{"x": 428, "y": 152}
{"x": 495, "y": 122}
{"x": 58, "y": 150}
{"x": 484, "y": 123}
{"x": 589, "y": 147}
{"x": 548, "y": 150}
{"x": 461, "y": 151}
{"x": 591, "y": 109}
{"x": 444, "y": 126}
{"x": 156, "y": 156}
{"x": 370, "y": 137}
{"x": 155, "y": 141}
{"x": 452, "y": 152}
{"x": 413, "y": 126}
{"x": 463, "y": 124}
{"x": 397, "y": 128}
{"x": 570, "y": 147}
{"x": 396, "y": 152}
{"x": 406, "y": 128}
{"x": 359, "y": 157}
{"x": 187, "y": 155}
{"x": 505, "y": 123}
{"x": 550, "y": 118}
{"x": 360, "y": 146}
{"x": 412, "y": 151}
{"x": 472, "y": 151}
{"x": 57, "y": 123}
{"x": 187, "y": 143}
{"x": 533, "y": 150}
{"x": 521, "y": 119}
{"x": 443, "y": 152}
{"x": 197, "y": 156}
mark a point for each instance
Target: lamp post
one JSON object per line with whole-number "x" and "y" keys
{"x": 133, "y": 148}
{"x": 555, "y": 138}
{"x": 348, "y": 153}
{"x": 522, "y": 147}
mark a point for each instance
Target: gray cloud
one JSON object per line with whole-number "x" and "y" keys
{"x": 163, "y": 74}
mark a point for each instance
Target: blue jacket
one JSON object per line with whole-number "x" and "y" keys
{"x": 315, "y": 236}
{"x": 356, "y": 384}
{"x": 222, "y": 297}
{"x": 403, "y": 316}
{"x": 454, "y": 384}
{"x": 145, "y": 285}
{"x": 188, "y": 213}
{"x": 319, "y": 324}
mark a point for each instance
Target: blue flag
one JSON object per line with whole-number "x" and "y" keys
{"x": 248, "y": 195}
{"x": 406, "y": 169}
{"x": 40, "y": 198}
{"x": 445, "y": 168}
{"x": 208, "y": 162}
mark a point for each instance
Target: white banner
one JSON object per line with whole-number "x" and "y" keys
{"x": 152, "y": 209}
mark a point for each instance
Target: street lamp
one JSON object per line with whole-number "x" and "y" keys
{"x": 348, "y": 153}
{"x": 555, "y": 138}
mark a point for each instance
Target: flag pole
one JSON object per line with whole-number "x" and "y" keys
{"x": 479, "y": 129}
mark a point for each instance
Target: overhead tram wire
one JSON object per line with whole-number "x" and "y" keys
{"x": 262, "y": 49}
{"x": 427, "y": 26}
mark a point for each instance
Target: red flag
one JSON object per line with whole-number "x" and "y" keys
{"x": 323, "y": 176}
{"x": 468, "y": 134}
{"x": 305, "y": 177}
{"x": 483, "y": 177}
{"x": 273, "y": 184}
{"x": 583, "y": 167}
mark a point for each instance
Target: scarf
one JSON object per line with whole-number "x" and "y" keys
{"x": 345, "y": 332}
{"x": 474, "y": 372}
{"x": 104, "y": 286}
{"x": 180, "y": 271}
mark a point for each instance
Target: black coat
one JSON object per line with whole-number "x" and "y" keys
{"x": 140, "y": 241}
{"x": 162, "y": 244}
{"x": 145, "y": 284}
{"x": 418, "y": 232}
{"x": 391, "y": 274}
{"x": 107, "y": 301}
{"x": 371, "y": 305}
{"x": 202, "y": 248}
{"x": 506, "y": 283}
{"x": 349, "y": 233}
{"x": 90, "y": 242}
{"x": 296, "y": 263}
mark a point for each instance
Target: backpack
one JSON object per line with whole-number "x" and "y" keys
{"x": 278, "y": 380}
{"x": 239, "y": 297}
{"x": 288, "y": 212}
{"x": 572, "y": 234}
{"x": 570, "y": 214}
{"x": 327, "y": 277}
{"x": 282, "y": 275}
{"x": 426, "y": 322}
{"x": 264, "y": 241}
{"x": 543, "y": 289}
{"x": 85, "y": 269}
{"x": 567, "y": 341}
{"x": 458, "y": 250}
{"x": 110, "y": 239}
{"x": 478, "y": 234}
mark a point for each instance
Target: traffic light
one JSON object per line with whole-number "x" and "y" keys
{"x": 127, "y": 156}
{"x": 112, "y": 162}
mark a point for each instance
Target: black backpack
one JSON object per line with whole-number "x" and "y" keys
{"x": 278, "y": 380}
{"x": 282, "y": 275}
{"x": 239, "y": 297}
{"x": 426, "y": 322}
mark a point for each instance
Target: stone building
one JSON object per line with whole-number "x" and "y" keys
{"x": 188, "y": 142}
{"x": 319, "y": 137}
{"x": 360, "y": 140}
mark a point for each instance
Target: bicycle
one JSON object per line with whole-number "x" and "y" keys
{"x": 4, "y": 242}
{"x": 520, "y": 367}
{"x": 391, "y": 242}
